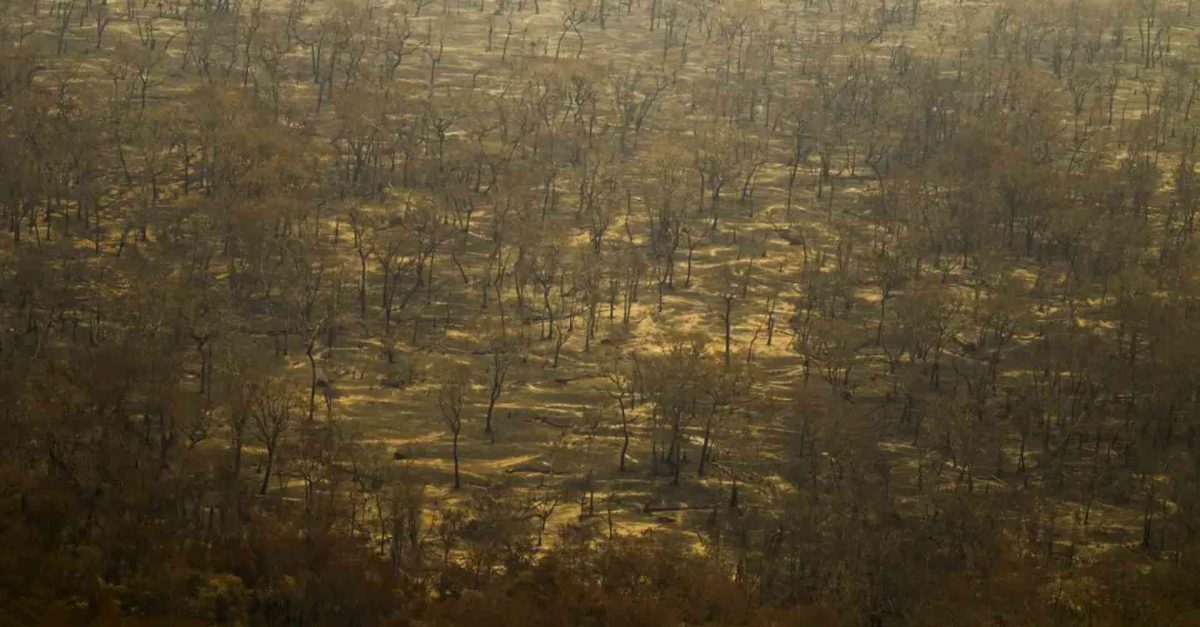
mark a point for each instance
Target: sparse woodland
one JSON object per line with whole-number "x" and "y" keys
{"x": 599, "y": 312}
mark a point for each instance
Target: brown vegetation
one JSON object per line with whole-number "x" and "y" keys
{"x": 622, "y": 312}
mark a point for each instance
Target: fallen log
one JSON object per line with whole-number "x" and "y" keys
{"x": 532, "y": 469}
{"x": 652, "y": 509}
{"x": 551, "y": 423}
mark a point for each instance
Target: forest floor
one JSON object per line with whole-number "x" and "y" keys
{"x": 557, "y": 427}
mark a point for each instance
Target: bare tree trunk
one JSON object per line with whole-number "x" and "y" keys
{"x": 262, "y": 490}
{"x": 454, "y": 453}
